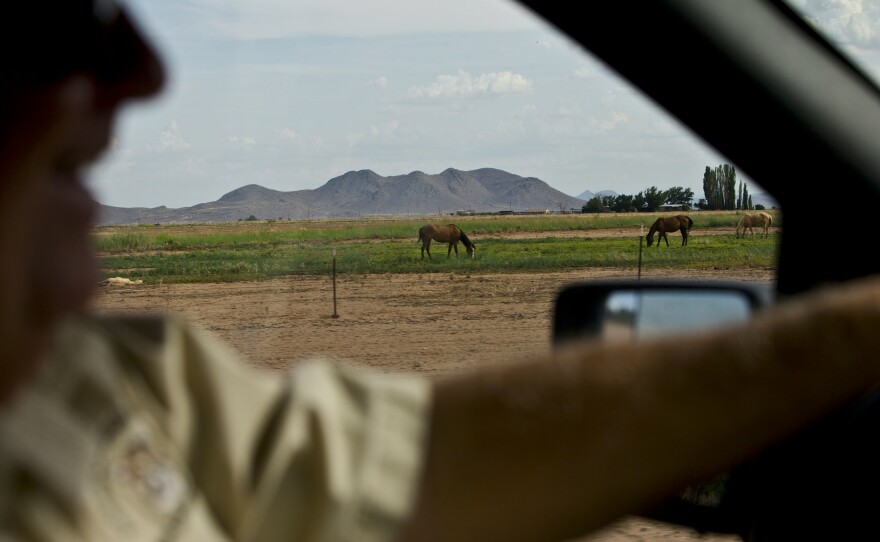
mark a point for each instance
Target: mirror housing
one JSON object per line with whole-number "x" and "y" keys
{"x": 631, "y": 309}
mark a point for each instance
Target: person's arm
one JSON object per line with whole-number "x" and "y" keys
{"x": 549, "y": 449}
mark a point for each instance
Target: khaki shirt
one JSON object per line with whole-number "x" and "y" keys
{"x": 147, "y": 429}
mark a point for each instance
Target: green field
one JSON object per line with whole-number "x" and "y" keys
{"x": 247, "y": 251}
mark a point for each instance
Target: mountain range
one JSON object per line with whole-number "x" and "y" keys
{"x": 365, "y": 193}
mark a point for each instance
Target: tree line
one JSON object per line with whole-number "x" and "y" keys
{"x": 719, "y": 188}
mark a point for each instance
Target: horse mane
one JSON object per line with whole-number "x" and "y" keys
{"x": 465, "y": 239}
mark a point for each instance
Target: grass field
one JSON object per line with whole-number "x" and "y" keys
{"x": 248, "y": 251}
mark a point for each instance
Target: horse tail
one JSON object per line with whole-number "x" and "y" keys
{"x": 690, "y": 222}
{"x": 769, "y": 219}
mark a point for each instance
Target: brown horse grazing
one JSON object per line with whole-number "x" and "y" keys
{"x": 449, "y": 233}
{"x": 748, "y": 221}
{"x": 663, "y": 225}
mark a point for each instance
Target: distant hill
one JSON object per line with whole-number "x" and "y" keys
{"x": 587, "y": 195}
{"x": 365, "y": 193}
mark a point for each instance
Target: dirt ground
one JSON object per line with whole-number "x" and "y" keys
{"x": 429, "y": 323}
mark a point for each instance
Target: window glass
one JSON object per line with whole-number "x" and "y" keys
{"x": 852, "y": 26}
{"x": 288, "y": 95}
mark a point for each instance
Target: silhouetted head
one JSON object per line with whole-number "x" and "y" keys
{"x": 72, "y": 66}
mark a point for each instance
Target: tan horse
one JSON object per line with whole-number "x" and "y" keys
{"x": 449, "y": 233}
{"x": 663, "y": 225}
{"x": 750, "y": 220}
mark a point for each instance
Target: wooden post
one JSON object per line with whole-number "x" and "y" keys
{"x": 335, "y": 315}
{"x": 641, "y": 239}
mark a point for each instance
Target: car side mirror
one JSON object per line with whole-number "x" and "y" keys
{"x": 633, "y": 309}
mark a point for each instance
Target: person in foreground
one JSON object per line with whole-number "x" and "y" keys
{"x": 147, "y": 428}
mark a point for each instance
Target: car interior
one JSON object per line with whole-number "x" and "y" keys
{"x": 757, "y": 82}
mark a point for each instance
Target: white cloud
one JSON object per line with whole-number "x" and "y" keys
{"x": 383, "y": 132}
{"x": 245, "y": 142}
{"x": 584, "y": 72}
{"x": 287, "y": 133}
{"x": 844, "y": 21}
{"x": 168, "y": 139}
{"x": 380, "y": 82}
{"x": 463, "y": 85}
{"x": 609, "y": 122}
{"x": 196, "y": 166}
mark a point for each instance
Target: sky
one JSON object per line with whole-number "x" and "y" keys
{"x": 288, "y": 94}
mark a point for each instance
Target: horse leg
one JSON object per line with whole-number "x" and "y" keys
{"x": 426, "y": 247}
{"x": 665, "y": 238}
{"x": 684, "y": 237}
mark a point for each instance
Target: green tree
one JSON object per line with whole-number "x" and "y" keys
{"x": 593, "y": 205}
{"x": 639, "y": 201}
{"x": 719, "y": 187}
{"x": 727, "y": 176}
{"x": 678, "y": 195}
{"x": 654, "y": 197}
{"x": 623, "y": 203}
{"x": 710, "y": 190}
{"x": 607, "y": 200}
